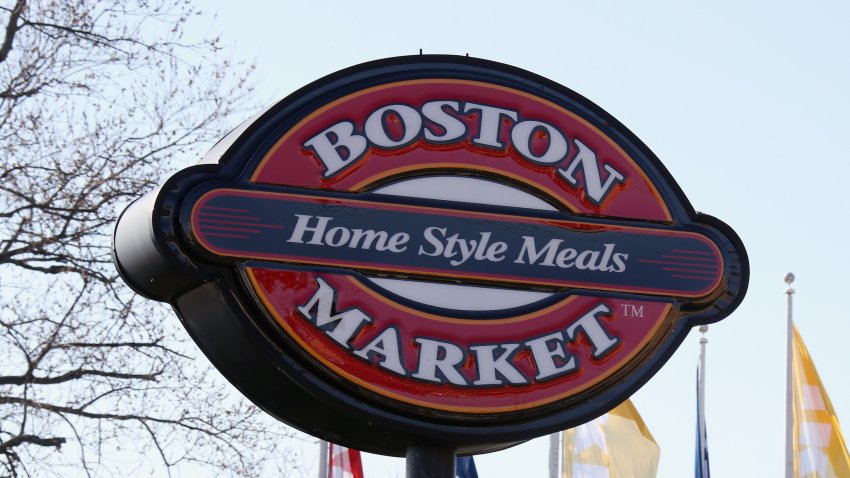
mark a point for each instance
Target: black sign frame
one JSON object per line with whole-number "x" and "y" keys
{"x": 231, "y": 326}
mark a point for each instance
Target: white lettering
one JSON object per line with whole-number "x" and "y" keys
{"x": 619, "y": 262}
{"x": 454, "y": 128}
{"x": 466, "y": 249}
{"x": 301, "y": 227}
{"x": 489, "y": 364}
{"x": 489, "y": 123}
{"x": 398, "y": 125}
{"x": 337, "y": 147}
{"x": 386, "y": 344}
{"x": 588, "y": 260}
{"x": 445, "y": 362}
{"x": 591, "y": 327}
{"x": 479, "y": 249}
{"x": 368, "y": 237}
{"x": 443, "y": 356}
{"x": 433, "y": 241}
{"x": 524, "y": 132}
{"x": 337, "y": 236}
{"x": 342, "y": 236}
{"x": 407, "y": 118}
{"x": 594, "y": 188}
{"x": 346, "y": 323}
{"x": 565, "y": 258}
{"x": 544, "y": 356}
{"x": 568, "y": 257}
{"x": 529, "y": 249}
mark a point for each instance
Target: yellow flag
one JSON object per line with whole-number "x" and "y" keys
{"x": 819, "y": 449}
{"x": 615, "y": 445}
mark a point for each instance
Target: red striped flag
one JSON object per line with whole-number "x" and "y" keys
{"x": 344, "y": 462}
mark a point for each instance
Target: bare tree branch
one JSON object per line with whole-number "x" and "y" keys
{"x": 55, "y": 442}
{"x": 11, "y": 29}
{"x": 191, "y": 423}
{"x": 99, "y": 99}
{"x": 73, "y": 375}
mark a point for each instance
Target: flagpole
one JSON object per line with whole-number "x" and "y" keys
{"x": 789, "y": 418}
{"x": 554, "y": 453}
{"x": 702, "y": 341}
{"x": 702, "y": 470}
{"x": 323, "y": 459}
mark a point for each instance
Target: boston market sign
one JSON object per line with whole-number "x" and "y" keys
{"x": 432, "y": 250}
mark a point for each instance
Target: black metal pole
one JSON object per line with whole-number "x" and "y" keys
{"x": 430, "y": 462}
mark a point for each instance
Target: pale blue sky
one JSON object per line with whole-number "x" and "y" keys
{"x": 745, "y": 102}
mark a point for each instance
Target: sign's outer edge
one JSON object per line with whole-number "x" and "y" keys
{"x": 223, "y": 320}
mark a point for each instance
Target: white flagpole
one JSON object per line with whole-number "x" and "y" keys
{"x": 323, "y": 459}
{"x": 554, "y": 453}
{"x": 702, "y": 341}
{"x": 701, "y": 398}
{"x": 789, "y": 414}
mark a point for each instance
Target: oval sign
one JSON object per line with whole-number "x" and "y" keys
{"x": 432, "y": 250}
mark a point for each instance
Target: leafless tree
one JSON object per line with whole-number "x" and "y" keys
{"x": 99, "y": 100}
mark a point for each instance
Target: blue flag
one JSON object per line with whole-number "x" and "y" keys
{"x": 701, "y": 460}
{"x": 465, "y": 467}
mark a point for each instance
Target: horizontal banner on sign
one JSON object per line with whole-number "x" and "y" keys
{"x": 407, "y": 240}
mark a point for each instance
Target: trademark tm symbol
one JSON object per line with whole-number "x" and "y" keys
{"x": 630, "y": 310}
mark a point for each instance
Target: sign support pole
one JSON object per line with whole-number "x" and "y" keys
{"x": 424, "y": 461}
